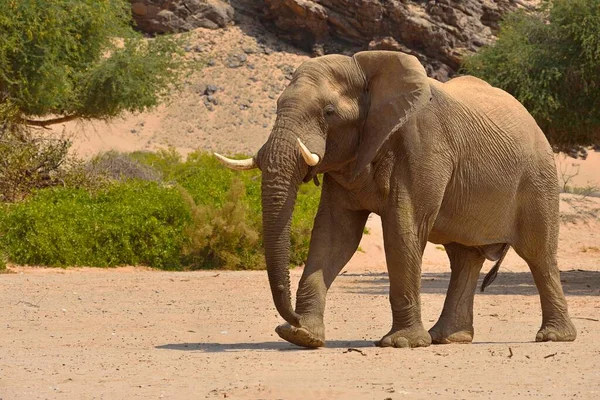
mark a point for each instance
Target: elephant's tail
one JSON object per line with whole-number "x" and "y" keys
{"x": 489, "y": 278}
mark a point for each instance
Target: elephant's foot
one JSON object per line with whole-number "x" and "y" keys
{"x": 557, "y": 331}
{"x": 444, "y": 333}
{"x": 300, "y": 336}
{"x": 410, "y": 337}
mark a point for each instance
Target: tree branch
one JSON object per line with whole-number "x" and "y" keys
{"x": 52, "y": 121}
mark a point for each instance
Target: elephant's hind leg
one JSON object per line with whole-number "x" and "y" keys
{"x": 455, "y": 324}
{"x": 556, "y": 324}
{"x": 537, "y": 244}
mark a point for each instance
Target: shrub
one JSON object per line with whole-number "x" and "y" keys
{"x": 119, "y": 166}
{"x": 223, "y": 237}
{"x": 29, "y": 161}
{"x": 129, "y": 223}
{"x": 549, "y": 61}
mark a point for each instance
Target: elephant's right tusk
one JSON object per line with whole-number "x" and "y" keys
{"x": 311, "y": 159}
{"x": 240, "y": 165}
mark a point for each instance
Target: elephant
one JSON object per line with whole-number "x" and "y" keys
{"x": 460, "y": 164}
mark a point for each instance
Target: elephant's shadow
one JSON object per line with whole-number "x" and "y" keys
{"x": 574, "y": 283}
{"x": 261, "y": 346}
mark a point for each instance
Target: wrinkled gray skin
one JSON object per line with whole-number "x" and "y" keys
{"x": 461, "y": 164}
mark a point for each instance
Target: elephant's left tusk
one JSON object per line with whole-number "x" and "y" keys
{"x": 311, "y": 159}
{"x": 241, "y": 165}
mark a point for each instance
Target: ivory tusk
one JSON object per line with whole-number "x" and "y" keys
{"x": 311, "y": 158}
{"x": 236, "y": 164}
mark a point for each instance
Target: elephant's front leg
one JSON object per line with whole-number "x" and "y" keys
{"x": 335, "y": 238}
{"x": 404, "y": 239}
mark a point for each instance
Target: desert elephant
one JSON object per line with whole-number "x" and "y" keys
{"x": 461, "y": 164}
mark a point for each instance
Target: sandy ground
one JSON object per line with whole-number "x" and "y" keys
{"x": 137, "y": 333}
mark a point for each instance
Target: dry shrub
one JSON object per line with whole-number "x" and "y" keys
{"x": 222, "y": 237}
{"x": 118, "y": 166}
{"x": 29, "y": 161}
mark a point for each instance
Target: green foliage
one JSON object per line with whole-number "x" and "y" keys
{"x": 549, "y": 61}
{"x": 131, "y": 223}
{"x": 2, "y": 256}
{"x": 201, "y": 216}
{"x": 64, "y": 58}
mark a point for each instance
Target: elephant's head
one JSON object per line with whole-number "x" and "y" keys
{"x": 334, "y": 116}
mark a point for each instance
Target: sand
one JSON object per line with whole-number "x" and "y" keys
{"x": 137, "y": 333}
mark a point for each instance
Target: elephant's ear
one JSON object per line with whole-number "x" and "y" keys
{"x": 397, "y": 87}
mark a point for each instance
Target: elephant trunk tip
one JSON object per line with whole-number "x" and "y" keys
{"x": 285, "y": 308}
{"x": 293, "y": 319}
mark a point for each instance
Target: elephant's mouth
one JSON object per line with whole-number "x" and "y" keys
{"x": 311, "y": 175}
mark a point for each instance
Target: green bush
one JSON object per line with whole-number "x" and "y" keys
{"x": 202, "y": 216}
{"x": 129, "y": 223}
{"x": 549, "y": 61}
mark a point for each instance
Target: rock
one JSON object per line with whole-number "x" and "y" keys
{"x": 235, "y": 60}
{"x": 318, "y": 50}
{"x": 210, "y": 89}
{"x": 386, "y": 43}
{"x": 167, "y": 16}
{"x": 287, "y": 70}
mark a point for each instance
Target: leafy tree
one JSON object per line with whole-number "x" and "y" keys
{"x": 73, "y": 59}
{"x": 62, "y": 60}
{"x": 550, "y": 61}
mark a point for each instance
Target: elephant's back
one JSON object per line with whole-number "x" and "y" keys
{"x": 509, "y": 119}
{"x": 477, "y": 94}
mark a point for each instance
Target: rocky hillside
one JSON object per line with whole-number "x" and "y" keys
{"x": 438, "y": 32}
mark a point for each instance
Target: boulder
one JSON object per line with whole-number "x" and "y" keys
{"x": 168, "y": 16}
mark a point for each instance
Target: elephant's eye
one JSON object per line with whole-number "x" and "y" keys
{"x": 329, "y": 109}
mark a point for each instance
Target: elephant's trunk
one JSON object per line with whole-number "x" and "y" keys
{"x": 281, "y": 178}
